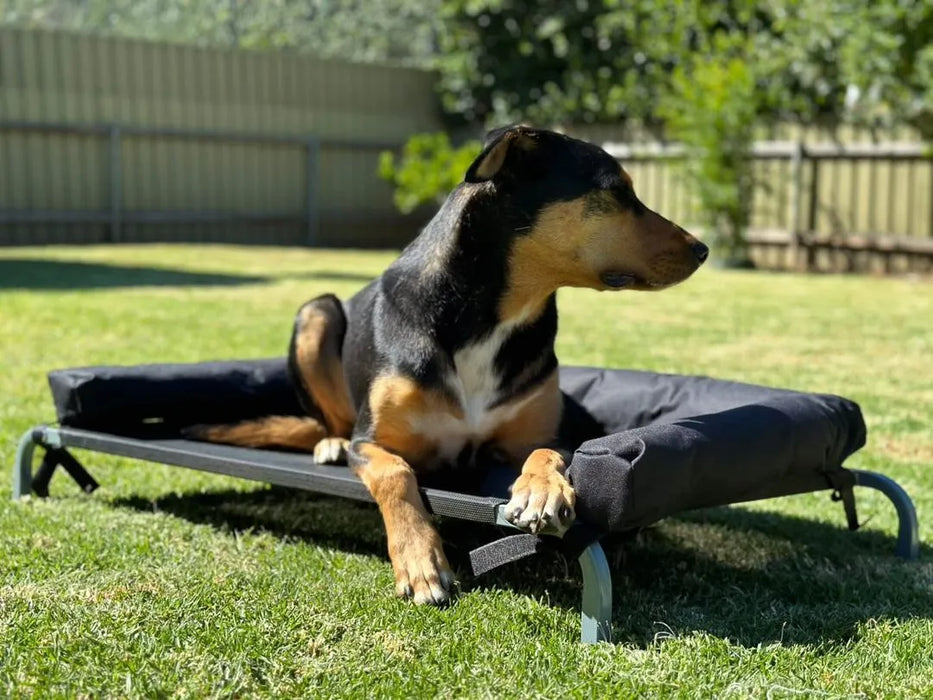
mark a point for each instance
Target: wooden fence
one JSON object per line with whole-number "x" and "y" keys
{"x": 819, "y": 205}
{"x": 109, "y": 139}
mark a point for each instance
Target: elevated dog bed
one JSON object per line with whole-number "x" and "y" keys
{"x": 647, "y": 446}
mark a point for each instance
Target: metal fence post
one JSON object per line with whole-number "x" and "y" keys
{"x": 116, "y": 184}
{"x": 312, "y": 172}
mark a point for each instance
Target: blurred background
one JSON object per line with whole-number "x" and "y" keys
{"x": 790, "y": 133}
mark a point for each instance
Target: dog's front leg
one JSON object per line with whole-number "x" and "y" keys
{"x": 542, "y": 498}
{"x": 421, "y": 569}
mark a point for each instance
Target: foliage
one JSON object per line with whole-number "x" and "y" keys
{"x": 701, "y": 72}
{"x": 887, "y": 62}
{"x": 712, "y": 111}
{"x": 362, "y": 30}
{"x": 612, "y": 61}
{"x": 427, "y": 170}
{"x": 506, "y": 60}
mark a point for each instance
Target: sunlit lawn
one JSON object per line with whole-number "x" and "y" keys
{"x": 170, "y": 581}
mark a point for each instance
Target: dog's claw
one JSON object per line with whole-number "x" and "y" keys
{"x": 541, "y": 504}
{"x": 447, "y": 580}
{"x": 331, "y": 450}
{"x": 422, "y": 573}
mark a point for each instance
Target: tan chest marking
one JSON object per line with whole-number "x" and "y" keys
{"x": 395, "y": 402}
{"x": 427, "y": 426}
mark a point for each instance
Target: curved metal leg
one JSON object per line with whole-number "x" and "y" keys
{"x": 22, "y": 469}
{"x": 908, "y": 535}
{"x": 597, "y": 596}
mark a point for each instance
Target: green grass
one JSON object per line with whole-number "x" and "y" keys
{"x": 171, "y": 582}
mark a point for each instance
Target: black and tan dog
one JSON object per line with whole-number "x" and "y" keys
{"x": 448, "y": 357}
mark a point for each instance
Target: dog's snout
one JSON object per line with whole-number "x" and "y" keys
{"x": 700, "y": 251}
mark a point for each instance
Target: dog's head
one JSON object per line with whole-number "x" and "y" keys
{"x": 574, "y": 215}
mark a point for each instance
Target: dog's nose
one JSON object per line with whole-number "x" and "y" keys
{"x": 700, "y": 250}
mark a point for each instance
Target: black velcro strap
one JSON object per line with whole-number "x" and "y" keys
{"x": 842, "y": 483}
{"x": 516, "y": 547}
{"x": 505, "y": 551}
{"x": 847, "y": 496}
{"x": 43, "y": 475}
{"x": 55, "y": 456}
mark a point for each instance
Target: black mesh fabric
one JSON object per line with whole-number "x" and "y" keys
{"x": 646, "y": 445}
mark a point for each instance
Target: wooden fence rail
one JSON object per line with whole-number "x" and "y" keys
{"x": 114, "y": 213}
{"x": 210, "y": 144}
{"x": 816, "y": 205}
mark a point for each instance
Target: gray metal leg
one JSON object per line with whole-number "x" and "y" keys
{"x": 597, "y": 596}
{"x": 597, "y": 590}
{"x": 908, "y": 534}
{"x": 22, "y": 469}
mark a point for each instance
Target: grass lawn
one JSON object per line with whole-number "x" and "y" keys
{"x": 171, "y": 582}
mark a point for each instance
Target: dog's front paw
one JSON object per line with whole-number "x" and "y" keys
{"x": 542, "y": 499}
{"x": 422, "y": 573}
{"x": 331, "y": 450}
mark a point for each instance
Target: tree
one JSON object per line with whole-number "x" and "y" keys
{"x": 361, "y": 30}
{"x": 701, "y": 72}
{"x": 887, "y": 63}
{"x": 544, "y": 61}
{"x": 613, "y": 60}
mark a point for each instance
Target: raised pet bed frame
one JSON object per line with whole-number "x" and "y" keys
{"x": 295, "y": 471}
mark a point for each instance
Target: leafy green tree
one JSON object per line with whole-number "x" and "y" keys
{"x": 544, "y": 61}
{"x": 554, "y": 61}
{"x": 361, "y": 30}
{"x": 698, "y": 71}
{"x": 887, "y": 62}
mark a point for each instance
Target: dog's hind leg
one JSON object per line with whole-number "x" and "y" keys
{"x": 316, "y": 369}
{"x": 290, "y": 432}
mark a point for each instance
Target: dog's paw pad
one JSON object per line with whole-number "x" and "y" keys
{"x": 331, "y": 451}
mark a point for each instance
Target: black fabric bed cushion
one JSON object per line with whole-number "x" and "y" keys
{"x": 676, "y": 442}
{"x": 143, "y": 399}
{"x": 647, "y": 445}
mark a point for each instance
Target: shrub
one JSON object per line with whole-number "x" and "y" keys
{"x": 712, "y": 111}
{"x": 428, "y": 169}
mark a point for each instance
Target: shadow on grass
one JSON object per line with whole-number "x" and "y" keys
{"x": 334, "y": 275}
{"x": 34, "y": 274}
{"x": 808, "y": 582}
{"x": 67, "y": 274}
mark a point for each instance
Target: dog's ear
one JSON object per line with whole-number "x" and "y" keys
{"x": 500, "y": 147}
